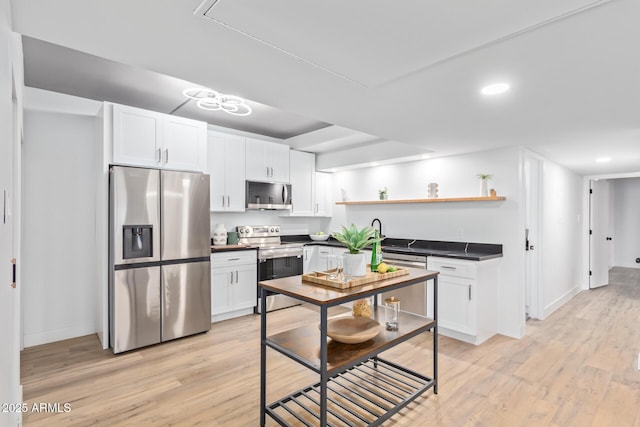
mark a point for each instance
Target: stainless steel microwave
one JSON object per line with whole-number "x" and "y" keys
{"x": 268, "y": 195}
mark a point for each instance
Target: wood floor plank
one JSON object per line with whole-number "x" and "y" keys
{"x": 576, "y": 368}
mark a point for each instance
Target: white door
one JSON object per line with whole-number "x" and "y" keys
{"x": 600, "y": 237}
{"x": 217, "y": 171}
{"x": 9, "y": 239}
{"x": 533, "y": 294}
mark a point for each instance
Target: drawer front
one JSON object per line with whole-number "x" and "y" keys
{"x": 232, "y": 258}
{"x": 453, "y": 267}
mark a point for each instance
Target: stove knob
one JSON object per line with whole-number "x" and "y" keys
{"x": 277, "y": 229}
{"x": 273, "y": 230}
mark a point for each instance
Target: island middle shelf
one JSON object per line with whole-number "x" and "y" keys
{"x": 303, "y": 343}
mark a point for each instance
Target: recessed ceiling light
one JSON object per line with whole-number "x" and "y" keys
{"x": 495, "y": 89}
{"x": 603, "y": 159}
{"x": 374, "y": 163}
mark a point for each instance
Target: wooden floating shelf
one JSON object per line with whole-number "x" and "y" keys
{"x": 438, "y": 200}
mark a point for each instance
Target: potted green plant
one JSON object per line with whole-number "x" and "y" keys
{"x": 383, "y": 193}
{"x": 355, "y": 240}
{"x": 484, "y": 178}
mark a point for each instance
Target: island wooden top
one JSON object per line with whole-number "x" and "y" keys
{"x": 322, "y": 295}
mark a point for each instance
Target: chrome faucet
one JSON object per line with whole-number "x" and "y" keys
{"x": 379, "y": 226}
{"x": 411, "y": 243}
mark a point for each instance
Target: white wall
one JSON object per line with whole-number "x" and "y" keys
{"x": 482, "y": 222}
{"x": 59, "y": 227}
{"x": 626, "y": 214}
{"x": 561, "y": 239}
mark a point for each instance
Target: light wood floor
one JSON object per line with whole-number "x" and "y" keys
{"x": 576, "y": 368}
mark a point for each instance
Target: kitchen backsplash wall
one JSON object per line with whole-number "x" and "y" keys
{"x": 288, "y": 225}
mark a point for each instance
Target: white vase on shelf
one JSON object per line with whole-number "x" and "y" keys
{"x": 484, "y": 188}
{"x": 219, "y": 235}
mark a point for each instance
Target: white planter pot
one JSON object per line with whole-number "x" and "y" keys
{"x": 354, "y": 264}
{"x": 484, "y": 190}
{"x": 219, "y": 235}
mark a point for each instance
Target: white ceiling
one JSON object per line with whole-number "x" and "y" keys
{"x": 402, "y": 74}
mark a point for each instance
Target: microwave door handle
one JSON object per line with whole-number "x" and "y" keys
{"x": 285, "y": 194}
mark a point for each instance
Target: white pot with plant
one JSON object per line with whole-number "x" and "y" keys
{"x": 484, "y": 184}
{"x": 354, "y": 261}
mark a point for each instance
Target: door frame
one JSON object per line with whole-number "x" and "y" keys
{"x": 533, "y": 177}
{"x": 586, "y": 180}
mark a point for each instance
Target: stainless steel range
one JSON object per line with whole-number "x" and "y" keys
{"x": 275, "y": 259}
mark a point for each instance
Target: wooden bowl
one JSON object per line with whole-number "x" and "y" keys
{"x": 352, "y": 330}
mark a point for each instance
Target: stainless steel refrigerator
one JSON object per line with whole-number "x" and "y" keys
{"x": 159, "y": 254}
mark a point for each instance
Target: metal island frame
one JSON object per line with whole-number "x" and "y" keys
{"x": 356, "y": 387}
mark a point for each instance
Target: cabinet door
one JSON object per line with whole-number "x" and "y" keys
{"x": 235, "y": 173}
{"x": 255, "y": 162}
{"x": 277, "y": 157}
{"x": 245, "y": 287}
{"x": 184, "y": 144}
{"x": 307, "y": 259}
{"x": 323, "y": 194}
{"x": 302, "y": 175}
{"x": 137, "y": 136}
{"x": 216, "y": 168}
{"x": 456, "y": 304}
{"x": 221, "y": 298}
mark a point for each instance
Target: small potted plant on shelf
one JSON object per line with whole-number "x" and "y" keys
{"x": 355, "y": 240}
{"x": 383, "y": 193}
{"x": 492, "y": 192}
{"x": 484, "y": 178}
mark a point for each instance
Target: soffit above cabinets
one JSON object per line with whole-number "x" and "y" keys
{"x": 395, "y": 40}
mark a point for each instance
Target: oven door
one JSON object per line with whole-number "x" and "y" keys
{"x": 277, "y": 268}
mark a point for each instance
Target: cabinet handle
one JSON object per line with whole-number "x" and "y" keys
{"x": 267, "y": 171}
{"x": 223, "y": 201}
{"x": 236, "y": 276}
{"x": 469, "y": 292}
{"x": 233, "y": 259}
{"x": 446, "y": 267}
{"x": 228, "y": 201}
{"x": 159, "y": 156}
{"x": 166, "y": 156}
{"x": 231, "y": 280}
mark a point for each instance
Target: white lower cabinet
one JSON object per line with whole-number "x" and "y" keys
{"x": 307, "y": 259}
{"x": 467, "y": 298}
{"x": 234, "y": 281}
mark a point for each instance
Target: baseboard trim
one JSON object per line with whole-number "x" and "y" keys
{"x": 46, "y": 337}
{"x": 548, "y": 310}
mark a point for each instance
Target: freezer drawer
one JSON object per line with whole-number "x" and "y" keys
{"x": 186, "y": 299}
{"x": 135, "y": 308}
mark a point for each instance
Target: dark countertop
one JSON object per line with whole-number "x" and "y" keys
{"x": 473, "y": 252}
{"x": 229, "y": 248}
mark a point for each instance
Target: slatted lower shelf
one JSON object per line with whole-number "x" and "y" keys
{"x": 365, "y": 395}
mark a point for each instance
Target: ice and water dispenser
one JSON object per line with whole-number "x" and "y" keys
{"x": 137, "y": 241}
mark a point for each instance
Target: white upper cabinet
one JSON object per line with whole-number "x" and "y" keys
{"x": 267, "y": 161}
{"x": 137, "y": 136}
{"x": 311, "y": 190}
{"x": 146, "y": 138}
{"x": 184, "y": 143}
{"x": 302, "y": 175}
{"x": 323, "y": 194}
{"x": 226, "y": 165}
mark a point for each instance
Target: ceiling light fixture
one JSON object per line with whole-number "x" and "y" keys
{"x": 211, "y": 100}
{"x": 603, "y": 159}
{"x": 495, "y": 89}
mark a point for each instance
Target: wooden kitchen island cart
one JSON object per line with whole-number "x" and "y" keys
{"x": 356, "y": 387}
